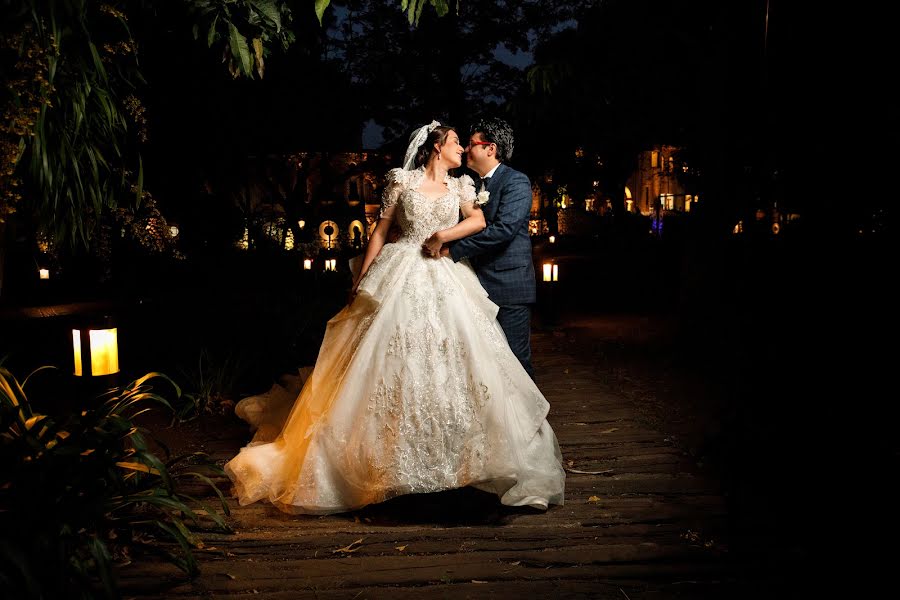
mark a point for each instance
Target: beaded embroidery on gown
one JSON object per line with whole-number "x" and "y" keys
{"x": 414, "y": 390}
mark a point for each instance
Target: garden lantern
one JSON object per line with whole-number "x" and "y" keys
{"x": 551, "y": 272}
{"x": 307, "y": 264}
{"x": 96, "y": 349}
{"x": 44, "y": 273}
{"x": 552, "y": 239}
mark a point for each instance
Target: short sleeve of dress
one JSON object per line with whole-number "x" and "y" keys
{"x": 466, "y": 190}
{"x": 396, "y": 179}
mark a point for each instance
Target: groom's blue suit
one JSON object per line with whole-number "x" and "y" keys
{"x": 501, "y": 257}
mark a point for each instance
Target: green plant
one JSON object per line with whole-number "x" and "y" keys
{"x": 83, "y": 491}
{"x": 211, "y": 386}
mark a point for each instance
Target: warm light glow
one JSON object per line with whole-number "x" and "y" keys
{"x": 104, "y": 351}
{"x": 44, "y": 273}
{"x": 551, "y": 272}
{"x": 552, "y": 239}
{"x": 307, "y": 264}
{"x": 173, "y": 230}
{"x": 289, "y": 240}
{"x": 328, "y": 233}
{"x": 629, "y": 205}
{"x": 301, "y": 223}
{"x": 76, "y": 347}
{"x": 331, "y": 264}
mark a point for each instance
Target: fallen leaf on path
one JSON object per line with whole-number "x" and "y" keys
{"x": 603, "y": 472}
{"x": 594, "y": 499}
{"x": 610, "y": 430}
{"x": 478, "y": 581}
{"x": 401, "y": 548}
{"x": 349, "y": 547}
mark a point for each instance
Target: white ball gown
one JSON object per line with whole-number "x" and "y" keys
{"x": 415, "y": 389}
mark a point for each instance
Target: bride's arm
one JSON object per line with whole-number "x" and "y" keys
{"x": 376, "y": 243}
{"x": 473, "y": 222}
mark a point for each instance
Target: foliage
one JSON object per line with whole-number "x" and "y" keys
{"x": 454, "y": 64}
{"x": 82, "y": 491}
{"x": 230, "y": 23}
{"x": 82, "y": 62}
{"x": 212, "y": 385}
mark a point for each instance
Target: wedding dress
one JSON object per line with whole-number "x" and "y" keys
{"x": 415, "y": 389}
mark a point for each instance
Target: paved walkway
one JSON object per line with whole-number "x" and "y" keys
{"x": 641, "y": 519}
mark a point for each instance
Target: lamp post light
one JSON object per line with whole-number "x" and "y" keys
{"x": 307, "y": 264}
{"x": 95, "y": 355}
{"x": 44, "y": 273}
{"x": 550, "y": 271}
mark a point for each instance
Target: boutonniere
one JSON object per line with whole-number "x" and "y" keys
{"x": 482, "y": 198}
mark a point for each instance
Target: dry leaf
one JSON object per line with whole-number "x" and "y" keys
{"x": 478, "y": 581}
{"x": 594, "y": 499}
{"x": 350, "y": 547}
{"x": 610, "y": 430}
{"x": 603, "y": 472}
{"x": 400, "y": 548}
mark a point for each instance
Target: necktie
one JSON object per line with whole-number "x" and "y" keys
{"x": 484, "y": 182}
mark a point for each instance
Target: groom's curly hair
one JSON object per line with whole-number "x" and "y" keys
{"x": 497, "y": 131}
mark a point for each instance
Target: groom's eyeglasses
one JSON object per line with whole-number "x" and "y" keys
{"x": 474, "y": 143}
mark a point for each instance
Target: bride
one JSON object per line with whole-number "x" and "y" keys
{"x": 415, "y": 388}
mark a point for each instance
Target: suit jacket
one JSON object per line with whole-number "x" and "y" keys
{"x": 501, "y": 252}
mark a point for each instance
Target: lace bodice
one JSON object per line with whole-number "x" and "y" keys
{"x": 418, "y": 215}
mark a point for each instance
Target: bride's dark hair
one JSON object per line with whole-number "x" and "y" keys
{"x": 438, "y": 135}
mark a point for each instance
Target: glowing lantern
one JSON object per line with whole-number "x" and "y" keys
{"x": 44, "y": 273}
{"x": 96, "y": 351}
{"x": 307, "y": 264}
{"x": 551, "y": 272}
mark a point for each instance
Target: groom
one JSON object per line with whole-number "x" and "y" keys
{"x": 501, "y": 253}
